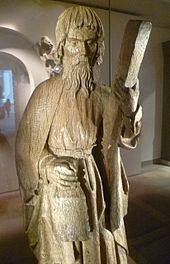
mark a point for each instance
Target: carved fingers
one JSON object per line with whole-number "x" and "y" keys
{"x": 64, "y": 173}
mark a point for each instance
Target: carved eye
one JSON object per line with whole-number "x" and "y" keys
{"x": 73, "y": 42}
{"x": 90, "y": 42}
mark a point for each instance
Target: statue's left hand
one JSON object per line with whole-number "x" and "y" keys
{"x": 127, "y": 97}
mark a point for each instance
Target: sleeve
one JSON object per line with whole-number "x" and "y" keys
{"x": 28, "y": 146}
{"x": 32, "y": 135}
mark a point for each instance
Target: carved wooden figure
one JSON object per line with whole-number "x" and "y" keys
{"x": 72, "y": 179}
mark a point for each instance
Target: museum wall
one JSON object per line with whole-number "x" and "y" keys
{"x": 27, "y": 21}
{"x": 151, "y": 95}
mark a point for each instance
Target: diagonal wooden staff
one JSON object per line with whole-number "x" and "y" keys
{"x": 132, "y": 50}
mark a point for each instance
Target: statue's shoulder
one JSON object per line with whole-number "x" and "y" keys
{"x": 103, "y": 91}
{"x": 102, "y": 88}
{"x": 50, "y": 86}
{"x": 46, "y": 93}
{"x": 107, "y": 97}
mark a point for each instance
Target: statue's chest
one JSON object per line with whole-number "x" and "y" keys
{"x": 75, "y": 122}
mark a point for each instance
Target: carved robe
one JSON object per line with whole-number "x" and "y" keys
{"x": 72, "y": 179}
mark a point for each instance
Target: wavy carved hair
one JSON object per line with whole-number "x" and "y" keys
{"x": 78, "y": 17}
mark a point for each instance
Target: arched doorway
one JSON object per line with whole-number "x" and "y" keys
{"x": 15, "y": 91}
{"x": 21, "y": 70}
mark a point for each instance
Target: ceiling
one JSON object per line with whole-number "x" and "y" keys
{"x": 156, "y": 11}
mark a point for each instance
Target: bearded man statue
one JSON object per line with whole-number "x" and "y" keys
{"x": 72, "y": 179}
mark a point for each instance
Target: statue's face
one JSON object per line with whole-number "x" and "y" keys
{"x": 80, "y": 46}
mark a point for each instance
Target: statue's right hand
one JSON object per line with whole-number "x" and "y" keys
{"x": 66, "y": 173}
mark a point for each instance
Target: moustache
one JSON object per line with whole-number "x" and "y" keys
{"x": 80, "y": 60}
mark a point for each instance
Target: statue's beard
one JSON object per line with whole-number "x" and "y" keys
{"x": 78, "y": 76}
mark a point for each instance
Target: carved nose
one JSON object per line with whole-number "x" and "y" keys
{"x": 83, "y": 48}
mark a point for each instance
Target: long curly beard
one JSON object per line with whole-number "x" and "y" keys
{"x": 78, "y": 76}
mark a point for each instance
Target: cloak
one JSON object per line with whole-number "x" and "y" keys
{"x": 117, "y": 130}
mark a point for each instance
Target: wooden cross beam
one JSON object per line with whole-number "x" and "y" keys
{"x": 132, "y": 50}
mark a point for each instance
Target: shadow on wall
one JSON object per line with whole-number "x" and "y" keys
{"x": 13, "y": 39}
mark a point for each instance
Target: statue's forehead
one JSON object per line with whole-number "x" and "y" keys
{"x": 82, "y": 33}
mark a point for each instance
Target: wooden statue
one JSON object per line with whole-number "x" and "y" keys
{"x": 72, "y": 179}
